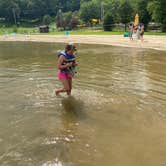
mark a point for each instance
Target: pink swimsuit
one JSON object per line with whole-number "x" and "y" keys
{"x": 62, "y": 75}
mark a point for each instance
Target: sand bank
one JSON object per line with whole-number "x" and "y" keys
{"x": 153, "y": 42}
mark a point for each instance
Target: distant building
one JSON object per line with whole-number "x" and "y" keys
{"x": 44, "y": 29}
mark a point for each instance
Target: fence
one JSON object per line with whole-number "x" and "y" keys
{"x": 151, "y": 27}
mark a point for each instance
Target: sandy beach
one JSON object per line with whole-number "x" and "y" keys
{"x": 150, "y": 41}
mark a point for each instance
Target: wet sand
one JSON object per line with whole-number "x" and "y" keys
{"x": 150, "y": 41}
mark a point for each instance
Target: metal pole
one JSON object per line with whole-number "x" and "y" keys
{"x": 102, "y": 14}
{"x": 14, "y": 15}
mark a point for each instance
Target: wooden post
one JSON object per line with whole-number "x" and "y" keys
{"x": 14, "y": 15}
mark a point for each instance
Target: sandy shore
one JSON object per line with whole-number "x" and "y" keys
{"x": 153, "y": 42}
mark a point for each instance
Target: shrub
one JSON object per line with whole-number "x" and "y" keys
{"x": 47, "y": 19}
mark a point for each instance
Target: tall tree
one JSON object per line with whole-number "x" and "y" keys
{"x": 158, "y": 10}
{"x": 39, "y": 8}
{"x": 90, "y": 10}
{"x": 144, "y": 15}
{"x": 126, "y": 12}
{"x": 10, "y": 10}
{"x": 108, "y": 21}
{"x": 73, "y": 5}
{"x": 112, "y": 7}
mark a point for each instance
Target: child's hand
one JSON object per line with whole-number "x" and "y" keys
{"x": 69, "y": 64}
{"x": 75, "y": 64}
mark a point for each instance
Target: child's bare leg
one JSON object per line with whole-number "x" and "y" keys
{"x": 70, "y": 86}
{"x": 65, "y": 87}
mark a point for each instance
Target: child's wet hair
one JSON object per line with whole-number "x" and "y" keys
{"x": 70, "y": 46}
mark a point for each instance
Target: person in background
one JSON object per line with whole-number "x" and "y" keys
{"x": 139, "y": 31}
{"x": 135, "y": 32}
{"x": 142, "y": 32}
{"x": 131, "y": 31}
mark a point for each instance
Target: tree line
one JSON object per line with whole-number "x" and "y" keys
{"x": 71, "y": 13}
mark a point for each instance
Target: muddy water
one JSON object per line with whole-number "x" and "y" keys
{"x": 115, "y": 116}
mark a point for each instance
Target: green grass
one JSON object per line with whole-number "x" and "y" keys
{"x": 79, "y": 32}
{"x": 20, "y": 30}
{"x": 53, "y": 31}
{"x": 156, "y": 33}
{"x": 100, "y": 32}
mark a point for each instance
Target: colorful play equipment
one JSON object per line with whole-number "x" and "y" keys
{"x": 136, "y": 21}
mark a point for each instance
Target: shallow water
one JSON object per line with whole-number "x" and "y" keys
{"x": 115, "y": 116}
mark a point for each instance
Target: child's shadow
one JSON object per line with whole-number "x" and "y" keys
{"x": 74, "y": 108}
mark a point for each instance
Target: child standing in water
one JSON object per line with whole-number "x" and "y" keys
{"x": 66, "y": 65}
{"x": 142, "y": 32}
{"x": 131, "y": 31}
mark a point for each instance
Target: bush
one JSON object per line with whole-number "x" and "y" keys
{"x": 15, "y": 29}
{"x": 47, "y": 19}
{"x": 73, "y": 23}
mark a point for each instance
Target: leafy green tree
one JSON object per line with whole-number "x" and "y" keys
{"x": 47, "y": 19}
{"x": 75, "y": 20}
{"x": 39, "y": 8}
{"x": 10, "y": 10}
{"x": 74, "y": 23}
{"x": 73, "y": 5}
{"x": 89, "y": 10}
{"x": 144, "y": 15}
{"x": 118, "y": 10}
{"x": 158, "y": 10}
{"x": 69, "y": 5}
{"x": 113, "y": 7}
{"x": 68, "y": 16}
{"x": 60, "y": 21}
{"x": 126, "y": 12}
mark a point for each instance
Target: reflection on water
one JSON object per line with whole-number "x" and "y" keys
{"x": 115, "y": 116}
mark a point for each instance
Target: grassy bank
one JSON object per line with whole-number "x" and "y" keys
{"x": 79, "y": 32}
{"x": 53, "y": 31}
